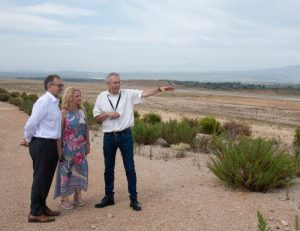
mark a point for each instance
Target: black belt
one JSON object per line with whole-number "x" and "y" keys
{"x": 118, "y": 132}
{"x": 40, "y": 138}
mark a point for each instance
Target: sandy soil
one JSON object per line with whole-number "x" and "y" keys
{"x": 176, "y": 194}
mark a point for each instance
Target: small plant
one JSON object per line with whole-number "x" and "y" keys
{"x": 17, "y": 101}
{"x": 93, "y": 124}
{"x": 165, "y": 156}
{"x": 145, "y": 133}
{"x": 180, "y": 149}
{"x": 31, "y": 97}
{"x": 232, "y": 129}
{"x": 209, "y": 125}
{"x": 152, "y": 118}
{"x": 262, "y": 223}
{"x": 136, "y": 114}
{"x": 4, "y": 96}
{"x": 297, "y": 137}
{"x": 26, "y": 106}
{"x": 297, "y": 223}
{"x": 175, "y": 132}
{"x": 255, "y": 164}
{"x": 201, "y": 143}
{"x": 2, "y": 90}
{"x": 297, "y": 151}
{"x": 15, "y": 94}
{"x": 194, "y": 123}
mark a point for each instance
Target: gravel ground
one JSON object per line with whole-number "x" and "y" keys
{"x": 177, "y": 194}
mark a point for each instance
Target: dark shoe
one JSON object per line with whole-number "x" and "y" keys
{"x": 106, "y": 201}
{"x": 51, "y": 213}
{"x": 40, "y": 219}
{"x": 135, "y": 205}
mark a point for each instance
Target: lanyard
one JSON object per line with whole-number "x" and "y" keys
{"x": 115, "y": 109}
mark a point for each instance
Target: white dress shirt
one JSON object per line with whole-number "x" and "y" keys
{"x": 45, "y": 119}
{"x": 125, "y": 108}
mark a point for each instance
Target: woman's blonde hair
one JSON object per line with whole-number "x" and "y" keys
{"x": 68, "y": 99}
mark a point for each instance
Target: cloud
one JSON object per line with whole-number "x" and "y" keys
{"x": 57, "y": 9}
{"x": 213, "y": 33}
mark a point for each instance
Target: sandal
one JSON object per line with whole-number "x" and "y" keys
{"x": 66, "y": 204}
{"x": 77, "y": 200}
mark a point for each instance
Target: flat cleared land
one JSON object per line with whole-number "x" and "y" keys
{"x": 177, "y": 194}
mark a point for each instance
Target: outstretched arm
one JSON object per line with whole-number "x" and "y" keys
{"x": 153, "y": 91}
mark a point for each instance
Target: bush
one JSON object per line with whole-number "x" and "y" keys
{"x": 232, "y": 129}
{"x": 255, "y": 164}
{"x": 90, "y": 117}
{"x": 15, "y": 101}
{"x": 5, "y": 96}
{"x": 192, "y": 122}
{"x": 136, "y": 114}
{"x": 2, "y": 90}
{"x": 297, "y": 137}
{"x": 175, "y": 132}
{"x": 151, "y": 118}
{"x": 15, "y": 94}
{"x": 180, "y": 149}
{"x": 26, "y": 106}
{"x": 31, "y": 97}
{"x": 202, "y": 143}
{"x": 209, "y": 125}
{"x": 145, "y": 133}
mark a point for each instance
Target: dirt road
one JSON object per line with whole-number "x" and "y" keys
{"x": 176, "y": 194}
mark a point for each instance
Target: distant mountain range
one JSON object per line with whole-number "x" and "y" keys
{"x": 282, "y": 75}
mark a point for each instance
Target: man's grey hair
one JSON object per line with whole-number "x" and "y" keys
{"x": 50, "y": 79}
{"x": 112, "y": 74}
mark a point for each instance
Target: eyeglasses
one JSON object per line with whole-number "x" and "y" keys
{"x": 58, "y": 85}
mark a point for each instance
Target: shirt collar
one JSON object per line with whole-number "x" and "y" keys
{"x": 52, "y": 97}
{"x": 108, "y": 94}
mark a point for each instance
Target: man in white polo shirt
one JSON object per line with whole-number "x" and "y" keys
{"x": 41, "y": 132}
{"x": 114, "y": 108}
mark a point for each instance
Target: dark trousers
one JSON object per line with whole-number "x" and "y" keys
{"x": 123, "y": 141}
{"x": 44, "y": 156}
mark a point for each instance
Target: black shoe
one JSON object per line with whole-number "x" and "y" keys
{"x": 135, "y": 205}
{"x": 106, "y": 201}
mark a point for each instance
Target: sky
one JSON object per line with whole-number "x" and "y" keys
{"x": 148, "y": 35}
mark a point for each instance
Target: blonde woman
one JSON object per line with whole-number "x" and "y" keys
{"x": 72, "y": 169}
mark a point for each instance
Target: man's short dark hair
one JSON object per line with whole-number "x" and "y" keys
{"x": 112, "y": 74}
{"x": 50, "y": 79}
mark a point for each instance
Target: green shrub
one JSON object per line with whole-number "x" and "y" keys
{"x": 209, "y": 125}
{"x": 31, "y": 97}
{"x": 136, "y": 114}
{"x": 26, "y": 106}
{"x": 15, "y": 94}
{"x": 93, "y": 124}
{"x": 5, "y": 96}
{"x": 2, "y": 90}
{"x": 255, "y": 164}
{"x": 23, "y": 95}
{"x": 232, "y": 129}
{"x": 297, "y": 137}
{"x": 175, "y": 132}
{"x": 145, "y": 133}
{"x": 262, "y": 223}
{"x": 192, "y": 122}
{"x": 151, "y": 118}
{"x": 297, "y": 161}
{"x": 15, "y": 101}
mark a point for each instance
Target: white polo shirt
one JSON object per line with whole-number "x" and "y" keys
{"x": 125, "y": 108}
{"x": 45, "y": 119}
